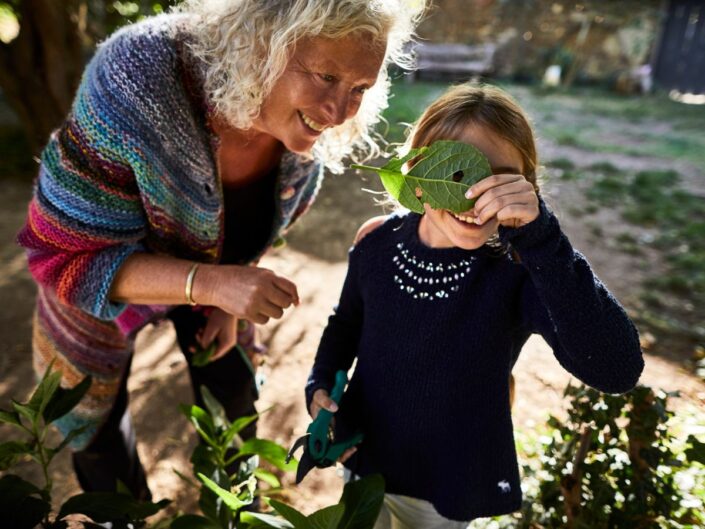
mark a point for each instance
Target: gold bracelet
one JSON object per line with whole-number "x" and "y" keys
{"x": 189, "y": 284}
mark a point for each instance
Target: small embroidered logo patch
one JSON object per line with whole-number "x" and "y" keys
{"x": 504, "y": 486}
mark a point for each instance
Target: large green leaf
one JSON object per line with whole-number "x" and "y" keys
{"x": 19, "y": 505}
{"x": 215, "y": 408}
{"x": 10, "y": 417}
{"x": 202, "y": 422}
{"x": 64, "y": 400}
{"x": 11, "y": 451}
{"x": 362, "y": 500}
{"x": 327, "y": 518}
{"x": 236, "y": 427}
{"x": 256, "y": 520}
{"x": 297, "y": 519}
{"x": 109, "y": 507}
{"x": 268, "y": 450}
{"x": 44, "y": 391}
{"x": 443, "y": 172}
{"x": 230, "y": 499}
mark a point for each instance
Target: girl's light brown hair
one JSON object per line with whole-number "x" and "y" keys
{"x": 476, "y": 104}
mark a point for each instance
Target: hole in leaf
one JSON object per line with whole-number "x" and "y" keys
{"x": 458, "y": 176}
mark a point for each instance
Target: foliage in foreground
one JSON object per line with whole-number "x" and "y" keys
{"x": 224, "y": 496}
{"x": 26, "y": 505}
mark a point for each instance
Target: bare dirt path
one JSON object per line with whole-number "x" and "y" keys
{"x": 315, "y": 260}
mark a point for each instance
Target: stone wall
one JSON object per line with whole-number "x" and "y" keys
{"x": 593, "y": 41}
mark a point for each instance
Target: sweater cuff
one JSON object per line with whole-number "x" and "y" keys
{"x": 542, "y": 228}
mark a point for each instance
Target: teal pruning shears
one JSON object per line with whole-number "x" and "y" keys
{"x": 320, "y": 450}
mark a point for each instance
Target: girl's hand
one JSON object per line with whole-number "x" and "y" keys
{"x": 220, "y": 326}
{"x": 508, "y": 197}
{"x": 321, "y": 400}
{"x": 245, "y": 292}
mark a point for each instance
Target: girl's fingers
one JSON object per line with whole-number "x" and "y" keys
{"x": 491, "y": 181}
{"x": 509, "y": 188}
{"x": 321, "y": 398}
{"x": 210, "y": 331}
{"x": 500, "y": 203}
{"x": 347, "y": 454}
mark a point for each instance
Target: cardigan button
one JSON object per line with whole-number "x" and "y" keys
{"x": 288, "y": 192}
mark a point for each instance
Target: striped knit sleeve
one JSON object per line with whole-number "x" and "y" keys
{"x": 86, "y": 215}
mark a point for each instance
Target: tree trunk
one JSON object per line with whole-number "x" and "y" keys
{"x": 41, "y": 68}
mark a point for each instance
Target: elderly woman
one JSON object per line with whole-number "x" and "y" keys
{"x": 195, "y": 141}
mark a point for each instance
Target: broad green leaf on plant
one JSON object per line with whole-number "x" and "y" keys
{"x": 24, "y": 410}
{"x": 236, "y": 427}
{"x": 10, "y": 417}
{"x": 443, "y": 172}
{"x": 209, "y": 502}
{"x": 11, "y": 451}
{"x": 327, "y": 518}
{"x": 297, "y": 519}
{"x": 109, "y": 507}
{"x": 268, "y": 477}
{"x": 24, "y": 512}
{"x": 202, "y": 422}
{"x": 256, "y": 520}
{"x": 230, "y": 499}
{"x": 215, "y": 408}
{"x": 204, "y": 460}
{"x": 193, "y": 521}
{"x": 362, "y": 500}
{"x": 64, "y": 400}
{"x": 268, "y": 450}
{"x": 44, "y": 391}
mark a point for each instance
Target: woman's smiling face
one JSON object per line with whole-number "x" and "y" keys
{"x": 321, "y": 87}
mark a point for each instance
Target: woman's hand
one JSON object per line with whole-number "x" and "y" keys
{"x": 245, "y": 292}
{"x": 220, "y": 326}
{"x": 321, "y": 400}
{"x": 509, "y": 197}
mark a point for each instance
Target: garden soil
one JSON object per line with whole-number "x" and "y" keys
{"x": 315, "y": 260}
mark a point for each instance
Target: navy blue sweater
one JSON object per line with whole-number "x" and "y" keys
{"x": 436, "y": 333}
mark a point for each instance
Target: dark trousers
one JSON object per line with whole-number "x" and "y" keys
{"x": 112, "y": 454}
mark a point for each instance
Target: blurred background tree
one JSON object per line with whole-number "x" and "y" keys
{"x": 44, "y": 45}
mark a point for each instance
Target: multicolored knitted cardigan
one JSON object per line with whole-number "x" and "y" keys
{"x": 133, "y": 169}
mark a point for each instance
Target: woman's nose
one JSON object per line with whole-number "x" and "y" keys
{"x": 339, "y": 107}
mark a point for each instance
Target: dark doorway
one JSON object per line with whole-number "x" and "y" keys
{"x": 680, "y": 64}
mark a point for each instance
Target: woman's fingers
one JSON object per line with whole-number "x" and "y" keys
{"x": 271, "y": 310}
{"x": 288, "y": 288}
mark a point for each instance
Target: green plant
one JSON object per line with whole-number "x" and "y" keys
{"x": 614, "y": 464}
{"x": 24, "y": 505}
{"x": 226, "y": 494}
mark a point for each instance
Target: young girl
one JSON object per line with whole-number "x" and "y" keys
{"x": 436, "y": 308}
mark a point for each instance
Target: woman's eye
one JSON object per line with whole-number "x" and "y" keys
{"x": 361, "y": 89}
{"x": 327, "y": 77}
